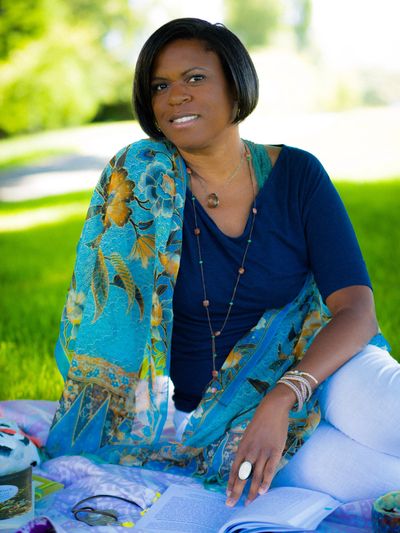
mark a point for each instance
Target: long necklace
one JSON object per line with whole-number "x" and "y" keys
{"x": 213, "y": 198}
{"x": 241, "y": 270}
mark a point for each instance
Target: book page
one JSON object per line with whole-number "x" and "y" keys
{"x": 181, "y": 508}
{"x": 284, "y": 508}
{"x": 197, "y": 510}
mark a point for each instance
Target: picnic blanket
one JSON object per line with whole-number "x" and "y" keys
{"x": 83, "y": 476}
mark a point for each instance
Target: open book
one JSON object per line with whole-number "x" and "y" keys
{"x": 197, "y": 510}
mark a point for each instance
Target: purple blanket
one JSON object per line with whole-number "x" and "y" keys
{"x": 83, "y": 477}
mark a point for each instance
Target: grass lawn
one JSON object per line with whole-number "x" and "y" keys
{"x": 37, "y": 263}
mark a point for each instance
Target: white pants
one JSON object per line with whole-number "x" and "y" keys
{"x": 355, "y": 451}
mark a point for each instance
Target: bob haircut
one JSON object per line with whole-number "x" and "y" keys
{"x": 235, "y": 60}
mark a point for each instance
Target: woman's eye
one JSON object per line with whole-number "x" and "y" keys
{"x": 196, "y": 77}
{"x": 157, "y": 87}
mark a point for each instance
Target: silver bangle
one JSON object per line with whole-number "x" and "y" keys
{"x": 296, "y": 390}
{"x": 305, "y": 386}
{"x": 305, "y": 374}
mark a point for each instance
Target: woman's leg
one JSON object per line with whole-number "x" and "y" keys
{"x": 362, "y": 400}
{"x": 181, "y": 418}
{"x": 333, "y": 463}
{"x": 355, "y": 452}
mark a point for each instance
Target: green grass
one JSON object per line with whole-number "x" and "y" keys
{"x": 374, "y": 211}
{"x": 34, "y": 274}
{"x": 8, "y": 208}
{"x": 37, "y": 263}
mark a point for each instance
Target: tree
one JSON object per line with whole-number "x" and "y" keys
{"x": 20, "y": 22}
{"x": 254, "y": 21}
{"x": 302, "y": 22}
{"x": 56, "y": 65}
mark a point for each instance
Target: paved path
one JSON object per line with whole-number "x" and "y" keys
{"x": 91, "y": 147}
{"x": 357, "y": 145}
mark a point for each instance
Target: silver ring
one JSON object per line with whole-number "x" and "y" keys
{"x": 245, "y": 470}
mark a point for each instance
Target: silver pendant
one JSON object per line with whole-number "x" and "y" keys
{"x": 212, "y": 200}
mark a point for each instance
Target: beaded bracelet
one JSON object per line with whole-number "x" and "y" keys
{"x": 299, "y": 396}
{"x": 297, "y": 381}
{"x": 304, "y": 374}
{"x": 303, "y": 383}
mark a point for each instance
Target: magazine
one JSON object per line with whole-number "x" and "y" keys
{"x": 197, "y": 510}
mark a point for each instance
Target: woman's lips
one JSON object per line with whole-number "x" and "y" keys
{"x": 184, "y": 120}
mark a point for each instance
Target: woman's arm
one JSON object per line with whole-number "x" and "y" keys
{"x": 352, "y": 325}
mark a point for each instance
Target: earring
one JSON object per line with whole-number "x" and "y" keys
{"x": 235, "y": 111}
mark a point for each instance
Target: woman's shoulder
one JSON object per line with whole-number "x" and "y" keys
{"x": 294, "y": 154}
{"x": 273, "y": 151}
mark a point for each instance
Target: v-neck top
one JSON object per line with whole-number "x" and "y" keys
{"x": 301, "y": 226}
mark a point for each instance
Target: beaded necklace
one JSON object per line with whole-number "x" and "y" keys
{"x": 241, "y": 270}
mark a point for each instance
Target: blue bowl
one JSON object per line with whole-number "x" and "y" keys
{"x": 386, "y": 513}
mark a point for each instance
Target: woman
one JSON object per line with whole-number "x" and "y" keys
{"x": 228, "y": 266}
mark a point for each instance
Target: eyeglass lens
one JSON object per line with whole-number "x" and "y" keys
{"x": 93, "y": 517}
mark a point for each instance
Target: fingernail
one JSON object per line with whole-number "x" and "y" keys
{"x": 228, "y": 493}
{"x": 262, "y": 490}
{"x": 246, "y": 503}
{"x": 230, "y": 502}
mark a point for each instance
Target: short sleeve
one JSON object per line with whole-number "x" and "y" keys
{"x": 333, "y": 251}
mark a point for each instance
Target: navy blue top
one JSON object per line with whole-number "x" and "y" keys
{"x": 301, "y": 226}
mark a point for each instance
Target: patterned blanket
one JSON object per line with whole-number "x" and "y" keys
{"x": 83, "y": 477}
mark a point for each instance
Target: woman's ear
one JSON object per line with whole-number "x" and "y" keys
{"x": 235, "y": 110}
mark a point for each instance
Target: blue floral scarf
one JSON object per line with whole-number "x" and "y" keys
{"x": 114, "y": 345}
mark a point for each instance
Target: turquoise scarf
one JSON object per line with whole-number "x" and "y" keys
{"x": 114, "y": 345}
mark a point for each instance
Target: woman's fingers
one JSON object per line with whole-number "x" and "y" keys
{"x": 270, "y": 469}
{"x": 232, "y": 475}
{"x": 257, "y": 478}
{"x": 235, "y": 484}
{"x": 262, "y": 444}
{"x": 262, "y": 474}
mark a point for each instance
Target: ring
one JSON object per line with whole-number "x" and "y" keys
{"x": 245, "y": 470}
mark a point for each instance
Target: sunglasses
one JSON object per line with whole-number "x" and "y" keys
{"x": 100, "y": 517}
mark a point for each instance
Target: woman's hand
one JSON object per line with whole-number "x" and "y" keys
{"x": 262, "y": 444}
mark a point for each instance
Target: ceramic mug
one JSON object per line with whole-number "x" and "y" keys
{"x": 386, "y": 513}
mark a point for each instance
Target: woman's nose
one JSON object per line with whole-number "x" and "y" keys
{"x": 178, "y": 94}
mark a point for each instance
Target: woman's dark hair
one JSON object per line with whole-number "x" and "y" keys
{"x": 236, "y": 63}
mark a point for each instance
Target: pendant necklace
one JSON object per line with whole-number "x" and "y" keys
{"x": 213, "y": 198}
{"x": 206, "y": 303}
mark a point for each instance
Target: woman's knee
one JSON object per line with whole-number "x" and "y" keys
{"x": 362, "y": 399}
{"x": 333, "y": 463}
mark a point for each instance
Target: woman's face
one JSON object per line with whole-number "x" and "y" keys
{"x": 192, "y": 102}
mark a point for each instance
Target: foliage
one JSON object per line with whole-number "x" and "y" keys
{"x": 58, "y": 64}
{"x": 255, "y": 21}
{"x": 35, "y": 276}
{"x": 302, "y": 22}
{"x": 20, "y": 22}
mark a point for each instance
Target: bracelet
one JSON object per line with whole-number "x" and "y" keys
{"x": 305, "y": 374}
{"x": 300, "y": 401}
{"x": 297, "y": 381}
{"x": 303, "y": 383}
